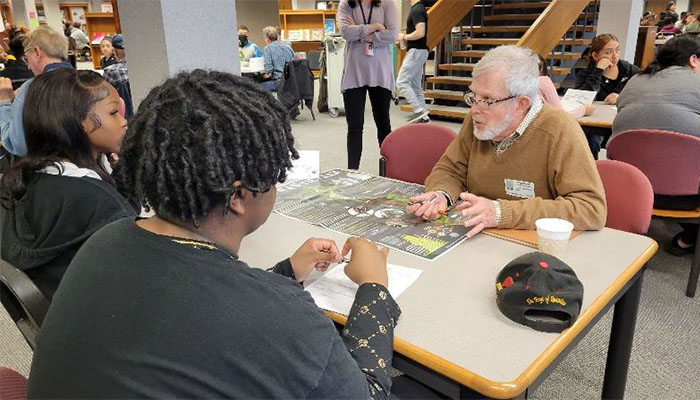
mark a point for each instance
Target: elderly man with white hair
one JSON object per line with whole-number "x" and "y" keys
{"x": 516, "y": 159}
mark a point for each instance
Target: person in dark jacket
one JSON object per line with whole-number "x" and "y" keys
{"x": 60, "y": 193}
{"x": 118, "y": 74}
{"x": 15, "y": 67}
{"x": 606, "y": 73}
{"x": 164, "y": 308}
{"x": 108, "y": 57}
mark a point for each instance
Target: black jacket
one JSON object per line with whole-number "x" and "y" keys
{"x": 18, "y": 72}
{"x": 43, "y": 230}
{"x": 297, "y": 86}
{"x": 591, "y": 78}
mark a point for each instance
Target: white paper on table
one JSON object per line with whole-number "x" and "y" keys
{"x": 579, "y": 96}
{"x": 334, "y": 291}
{"x": 569, "y": 106}
{"x": 308, "y": 165}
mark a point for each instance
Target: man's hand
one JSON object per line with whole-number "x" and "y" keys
{"x": 589, "y": 109}
{"x": 428, "y": 205}
{"x": 400, "y": 37}
{"x": 479, "y": 212}
{"x": 612, "y": 98}
{"x": 314, "y": 253}
{"x": 6, "y": 93}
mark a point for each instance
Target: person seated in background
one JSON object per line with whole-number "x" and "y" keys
{"x": 606, "y": 73}
{"x": 246, "y": 47}
{"x": 276, "y": 56}
{"x": 688, "y": 19}
{"x": 516, "y": 159}
{"x": 549, "y": 94}
{"x": 671, "y": 11}
{"x": 648, "y": 19}
{"x": 15, "y": 68}
{"x": 666, "y": 96}
{"x": 164, "y": 308}
{"x": 118, "y": 75}
{"x": 669, "y": 27}
{"x": 694, "y": 26}
{"x": 82, "y": 43}
{"x": 108, "y": 57}
{"x": 59, "y": 194}
{"x": 44, "y": 50}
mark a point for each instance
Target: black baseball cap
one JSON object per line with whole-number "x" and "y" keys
{"x": 118, "y": 41}
{"x": 540, "y": 291}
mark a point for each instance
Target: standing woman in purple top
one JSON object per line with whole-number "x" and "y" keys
{"x": 370, "y": 28}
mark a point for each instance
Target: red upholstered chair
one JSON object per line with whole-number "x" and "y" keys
{"x": 623, "y": 182}
{"x": 671, "y": 161}
{"x": 410, "y": 152}
{"x": 13, "y": 386}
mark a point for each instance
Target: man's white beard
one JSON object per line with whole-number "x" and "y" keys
{"x": 490, "y": 134}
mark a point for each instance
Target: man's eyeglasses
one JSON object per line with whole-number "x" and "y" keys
{"x": 470, "y": 99}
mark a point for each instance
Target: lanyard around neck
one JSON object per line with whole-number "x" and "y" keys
{"x": 363, "y": 12}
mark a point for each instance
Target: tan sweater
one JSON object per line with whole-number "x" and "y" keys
{"x": 552, "y": 154}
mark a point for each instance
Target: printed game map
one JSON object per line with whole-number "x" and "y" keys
{"x": 374, "y": 207}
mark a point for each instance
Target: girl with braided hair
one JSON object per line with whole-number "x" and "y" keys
{"x": 59, "y": 194}
{"x": 167, "y": 303}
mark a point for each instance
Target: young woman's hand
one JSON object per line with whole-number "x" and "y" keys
{"x": 6, "y": 93}
{"x": 314, "y": 253}
{"x": 368, "y": 264}
{"x": 376, "y": 27}
{"x": 589, "y": 109}
{"x": 612, "y": 98}
{"x": 604, "y": 64}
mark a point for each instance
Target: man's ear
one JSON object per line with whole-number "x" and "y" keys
{"x": 524, "y": 103}
{"x": 236, "y": 203}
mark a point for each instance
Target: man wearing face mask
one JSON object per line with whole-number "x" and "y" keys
{"x": 247, "y": 48}
{"x": 516, "y": 159}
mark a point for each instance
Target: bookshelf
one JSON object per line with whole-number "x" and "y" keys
{"x": 292, "y": 20}
{"x": 99, "y": 23}
{"x": 65, "y": 8}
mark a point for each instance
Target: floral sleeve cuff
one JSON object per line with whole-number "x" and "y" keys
{"x": 284, "y": 268}
{"x": 369, "y": 333}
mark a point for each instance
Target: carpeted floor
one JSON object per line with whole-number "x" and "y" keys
{"x": 665, "y": 360}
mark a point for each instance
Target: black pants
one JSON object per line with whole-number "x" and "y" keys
{"x": 597, "y": 138}
{"x": 682, "y": 203}
{"x": 354, "y": 100}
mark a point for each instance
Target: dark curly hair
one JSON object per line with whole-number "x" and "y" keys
{"x": 56, "y": 105}
{"x": 194, "y": 136}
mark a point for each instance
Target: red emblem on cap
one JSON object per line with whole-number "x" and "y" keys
{"x": 544, "y": 265}
{"x": 507, "y": 282}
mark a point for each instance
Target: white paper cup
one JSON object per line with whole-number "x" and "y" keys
{"x": 553, "y": 235}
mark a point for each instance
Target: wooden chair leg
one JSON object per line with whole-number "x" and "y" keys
{"x": 694, "y": 270}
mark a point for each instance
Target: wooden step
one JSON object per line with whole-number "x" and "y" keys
{"x": 450, "y": 80}
{"x": 454, "y": 95}
{"x": 515, "y": 29}
{"x": 480, "y": 53}
{"x": 526, "y": 17}
{"x": 513, "y": 41}
{"x": 532, "y": 5}
{"x": 442, "y": 111}
{"x": 470, "y": 67}
{"x": 521, "y": 6}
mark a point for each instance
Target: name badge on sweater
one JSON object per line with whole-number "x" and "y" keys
{"x": 521, "y": 189}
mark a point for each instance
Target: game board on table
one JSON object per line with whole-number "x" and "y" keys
{"x": 371, "y": 206}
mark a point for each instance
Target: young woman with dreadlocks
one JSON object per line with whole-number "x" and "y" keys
{"x": 164, "y": 308}
{"x": 59, "y": 194}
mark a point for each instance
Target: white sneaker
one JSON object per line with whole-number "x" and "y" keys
{"x": 418, "y": 117}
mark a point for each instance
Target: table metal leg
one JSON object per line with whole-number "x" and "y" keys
{"x": 621, "y": 336}
{"x": 694, "y": 269}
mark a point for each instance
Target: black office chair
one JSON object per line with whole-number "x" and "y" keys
{"x": 24, "y": 302}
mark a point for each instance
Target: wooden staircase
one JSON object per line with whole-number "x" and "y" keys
{"x": 540, "y": 25}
